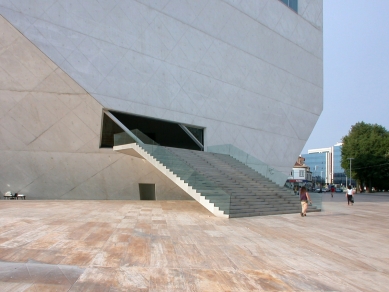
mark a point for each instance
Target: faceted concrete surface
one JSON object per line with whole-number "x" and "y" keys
{"x": 250, "y": 72}
{"x": 50, "y": 134}
{"x": 179, "y": 246}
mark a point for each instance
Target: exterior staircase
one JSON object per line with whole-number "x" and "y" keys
{"x": 222, "y": 184}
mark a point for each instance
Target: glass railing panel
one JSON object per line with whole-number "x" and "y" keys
{"x": 317, "y": 199}
{"x": 143, "y": 137}
{"x": 122, "y": 139}
{"x": 191, "y": 176}
{"x": 134, "y": 136}
{"x": 269, "y": 172}
{"x": 179, "y": 166}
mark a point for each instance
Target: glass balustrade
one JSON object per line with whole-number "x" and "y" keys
{"x": 144, "y": 138}
{"x": 178, "y": 166}
{"x": 122, "y": 139}
{"x": 317, "y": 199}
{"x": 197, "y": 180}
{"x": 267, "y": 171}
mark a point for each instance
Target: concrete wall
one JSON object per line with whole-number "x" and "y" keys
{"x": 250, "y": 72}
{"x": 50, "y": 132}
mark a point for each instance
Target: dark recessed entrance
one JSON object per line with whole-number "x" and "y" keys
{"x": 164, "y": 133}
{"x": 147, "y": 191}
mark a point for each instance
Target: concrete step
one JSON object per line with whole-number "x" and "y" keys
{"x": 231, "y": 185}
{"x": 262, "y": 213}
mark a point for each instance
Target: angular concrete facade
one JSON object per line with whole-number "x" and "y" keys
{"x": 50, "y": 133}
{"x": 249, "y": 72}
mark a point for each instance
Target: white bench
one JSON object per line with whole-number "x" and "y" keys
{"x": 21, "y": 196}
{"x": 8, "y": 195}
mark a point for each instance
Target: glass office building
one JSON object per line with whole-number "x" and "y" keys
{"x": 317, "y": 164}
{"x": 339, "y": 175}
{"x": 325, "y": 164}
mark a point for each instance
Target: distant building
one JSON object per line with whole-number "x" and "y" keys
{"x": 325, "y": 164}
{"x": 300, "y": 175}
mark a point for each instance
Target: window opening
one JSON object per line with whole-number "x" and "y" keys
{"x": 164, "y": 133}
{"x": 292, "y": 4}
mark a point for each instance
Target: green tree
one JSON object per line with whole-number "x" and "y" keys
{"x": 368, "y": 144}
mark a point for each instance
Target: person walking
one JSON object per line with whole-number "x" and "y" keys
{"x": 349, "y": 195}
{"x": 304, "y": 198}
{"x": 332, "y": 191}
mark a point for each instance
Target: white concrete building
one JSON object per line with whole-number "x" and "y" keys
{"x": 242, "y": 73}
{"x": 300, "y": 175}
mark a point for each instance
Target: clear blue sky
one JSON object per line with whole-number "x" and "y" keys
{"x": 356, "y": 69}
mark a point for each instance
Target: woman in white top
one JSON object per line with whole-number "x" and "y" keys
{"x": 349, "y": 195}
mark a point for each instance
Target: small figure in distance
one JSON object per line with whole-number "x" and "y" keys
{"x": 349, "y": 195}
{"x": 304, "y": 198}
{"x": 332, "y": 191}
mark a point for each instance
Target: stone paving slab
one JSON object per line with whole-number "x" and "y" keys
{"x": 180, "y": 246}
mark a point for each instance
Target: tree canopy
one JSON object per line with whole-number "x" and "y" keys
{"x": 368, "y": 145}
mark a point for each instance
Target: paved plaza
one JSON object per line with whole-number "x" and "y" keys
{"x": 180, "y": 246}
